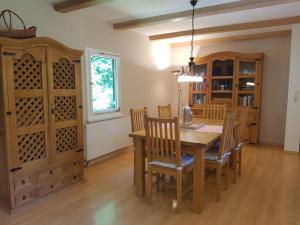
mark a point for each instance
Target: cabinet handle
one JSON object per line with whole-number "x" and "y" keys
{"x": 8, "y": 113}
{"x": 9, "y": 53}
{"x": 52, "y": 111}
{"x": 80, "y": 107}
{"x": 23, "y": 182}
{"x": 16, "y": 169}
{"x": 51, "y": 172}
{"x": 24, "y": 197}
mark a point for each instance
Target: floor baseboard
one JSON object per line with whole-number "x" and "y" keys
{"x": 107, "y": 156}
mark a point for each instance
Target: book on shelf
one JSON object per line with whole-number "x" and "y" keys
{"x": 199, "y": 99}
{"x": 246, "y": 100}
{"x": 199, "y": 86}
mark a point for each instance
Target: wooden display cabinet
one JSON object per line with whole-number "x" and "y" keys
{"x": 233, "y": 79}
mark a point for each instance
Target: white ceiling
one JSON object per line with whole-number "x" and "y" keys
{"x": 123, "y": 10}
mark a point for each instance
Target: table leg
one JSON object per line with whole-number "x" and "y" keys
{"x": 139, "y": 173}
{"x": 198, "y": 179}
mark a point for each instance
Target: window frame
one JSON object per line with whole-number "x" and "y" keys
{"x": 110, "y": 113}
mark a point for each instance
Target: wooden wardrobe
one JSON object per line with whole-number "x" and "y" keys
{"x": 41, "y": 128}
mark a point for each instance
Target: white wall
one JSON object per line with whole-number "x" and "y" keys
{"x": 275, "y": 79}
{"x": 292, "y": 135}
{"x": 141, "y": 82}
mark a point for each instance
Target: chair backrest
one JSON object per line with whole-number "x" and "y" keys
{"x": 211, "y": 111}
{"x": 164, "y": 111}
{"x": 240, "y": 128}
{"x": 137, "y": 119}
{"x": 227, "y": 134}
{"x": 163, "y": 140}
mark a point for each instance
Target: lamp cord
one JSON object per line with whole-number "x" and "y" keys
{"x": 193, "y": 32}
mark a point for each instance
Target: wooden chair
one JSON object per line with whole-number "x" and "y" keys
{"x": 137, "y": 119}
{"x": 236, "y": 156}
{"x": 164, "y": 112}
{"x": 164, "y": 153}
{"x": 137, "y": 123}
{"x": 218, "y": 157}
{"x": 210, "y": 111}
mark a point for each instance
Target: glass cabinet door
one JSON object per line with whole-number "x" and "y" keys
{"x": 199, "y": 89}
{"x": 222, "y": 81}
{"x": 247, "y": 83}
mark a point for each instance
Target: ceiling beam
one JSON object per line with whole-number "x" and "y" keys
{"x": 230, "y": 28}
{"x": 72, "y": 5}
{"x": 245, "y": 37}
{"x": 200, "y": 12}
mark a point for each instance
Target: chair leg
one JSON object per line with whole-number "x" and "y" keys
{"x": 227, "y": 174}
{"x": 179, "y": 191}
{"x": 219, "y": 181}
{"x": 157, "y": 175}
{"x": 134, "y": 167}
{"x": 240, "y": 162}
{"x": 234, "y": 165}
{"x": 149, "y": 185}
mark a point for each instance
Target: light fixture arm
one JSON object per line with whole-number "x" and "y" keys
{"x": 193, "y": 3}
{"x": 179, "y": 95}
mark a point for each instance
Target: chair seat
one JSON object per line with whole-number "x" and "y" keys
{"x": 186, "y": 160}
{"x": 212, "y": 155}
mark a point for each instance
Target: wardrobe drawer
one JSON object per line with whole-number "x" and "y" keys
{"x": 75, "y": 177}
{"x": 76, "y": 165}
{"x": 52, "y": 172}
{"x": 24, "y": 181}
{"x": 22, "y": 198}
{"x": 51, "y": 187}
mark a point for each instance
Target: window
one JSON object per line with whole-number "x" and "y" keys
{"x": 102, "y": 85}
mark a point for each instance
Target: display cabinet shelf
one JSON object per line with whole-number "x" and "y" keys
{"x": 221, "y": 77}
{"x": 246, "y": 92}
{"x": 221, "y": 91}
{"x": 247, "y": 75}
{"x": 199, "y": 92}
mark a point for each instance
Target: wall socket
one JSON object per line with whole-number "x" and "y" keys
{"x": 296, "y": 97}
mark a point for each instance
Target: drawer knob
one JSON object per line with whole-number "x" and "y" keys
{"x": 74, "y": 177}
{"x": 74, "y": 163}
{"x": 51, "y": 186}
{"x": 23, "y": 182}
{"x": 51, "y": 172}
{"x": 24, "y": 197}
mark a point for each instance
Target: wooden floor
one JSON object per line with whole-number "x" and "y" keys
{"x": 268, "y": 193}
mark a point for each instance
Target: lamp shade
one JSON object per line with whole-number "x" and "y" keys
{"x": 188, "y": 78}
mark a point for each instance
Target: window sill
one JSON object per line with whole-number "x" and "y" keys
{"x": 104, "y": 117}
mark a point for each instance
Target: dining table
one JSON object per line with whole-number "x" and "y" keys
{"x": 194, "y": 142}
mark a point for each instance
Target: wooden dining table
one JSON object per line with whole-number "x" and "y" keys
{"x": 194, "y": 142}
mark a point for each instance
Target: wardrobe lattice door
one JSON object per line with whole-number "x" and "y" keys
{"x": 66, "y": 109}
{"x": 25, "y": 72}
